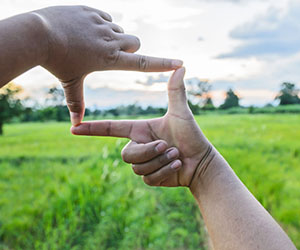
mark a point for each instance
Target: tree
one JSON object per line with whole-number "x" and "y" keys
{"x": 288, "y": 94}
{"x": 231, "y": 100}
{"x": 56, "y": 109}
{"x": 55, "y": 96}
{"x": 208, "y": 105}
{"x": 10, "y": 104}
{"x": 200, "y": 90}
{"x": 194, "y": 108}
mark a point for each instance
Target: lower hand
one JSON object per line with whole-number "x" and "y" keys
{"x": 177, "y": 130}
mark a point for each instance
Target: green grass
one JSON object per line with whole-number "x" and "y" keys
{"x": 59, "y": 191}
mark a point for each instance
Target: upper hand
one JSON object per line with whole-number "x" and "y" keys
{"x": 81, "y": 40}
{"x": 178, "y": 130}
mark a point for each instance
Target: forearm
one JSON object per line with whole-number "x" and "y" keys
{"x": 234, "y": 218}
{"x": 22, "y": 45}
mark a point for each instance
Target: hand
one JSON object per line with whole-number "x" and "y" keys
{"x": 81, "y": 40}
{"x": 177, "y": 129}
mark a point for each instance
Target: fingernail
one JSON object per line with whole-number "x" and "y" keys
{"x": 176, "y": 165}
{"x": 161, "y": 147}
{"x": 75, "y": 118}
{"x": 172, "y": 154}
{"x": 177, "y": 64}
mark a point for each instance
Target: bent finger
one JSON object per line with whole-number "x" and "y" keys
{"x": 137, "y": 153}
{"x": 158, "y": 177}
{"x": 103, "y": 14}
{"x": 128, "y": 43}
{"x": 158, "y": 162}
{"x": 116, "y": 28}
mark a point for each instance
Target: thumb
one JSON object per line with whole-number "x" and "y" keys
{"x": 176, "y": 92}
{"x": 74, "y": 96}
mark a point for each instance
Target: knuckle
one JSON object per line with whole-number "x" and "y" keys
{"x": 106, "y": 16}
{"x": 143, "y": 62}
{"x": 96, "y": 18}
{"x": 112, "y": 57}
{"x": 70, "y": 85}
{"x": 148, "y": 181}
{"x": 166, "y": 63}
{"x": 108, "y": 35}
{"x": 148, "y": 153}
{"x": 85, "y": 8}
{"x": 116, "y": 27}
{"x": 75, "y": 106}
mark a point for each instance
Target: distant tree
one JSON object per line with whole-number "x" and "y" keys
{"x": 200, "y": 90}
{"x": 56, "y": 110}
{"x": 288, "y": 94}
{"x": 10, "y": 104}
{"x": 55, "y": 96}
{"x": 87, "y": 112}
{"x": 251, "y": 109}
{"x": 195, "y": 108}
{"x": 231, "y": 100}
{"x": 96, "y": 113}
{"x": 208, "y": 105}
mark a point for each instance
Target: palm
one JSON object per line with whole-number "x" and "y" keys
{"x": 180, "y": 131}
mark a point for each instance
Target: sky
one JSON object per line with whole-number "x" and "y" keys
{"x": 251, "y": 46}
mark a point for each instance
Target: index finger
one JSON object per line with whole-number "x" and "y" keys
{"x": 135, "y": 62}
{"x": 104, "y": 128}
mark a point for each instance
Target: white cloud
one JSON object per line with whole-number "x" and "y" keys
{"x": 275, "y": 33}
{"x": 151, "y": 80}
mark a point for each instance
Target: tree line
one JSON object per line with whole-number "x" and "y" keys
{"x": 199, "y": 99}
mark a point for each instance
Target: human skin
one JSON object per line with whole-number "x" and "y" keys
{"x": 70, "y": 42}
{"x": 234, "y": 218}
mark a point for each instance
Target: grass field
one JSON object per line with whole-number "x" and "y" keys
{"x": 59, "y": 191}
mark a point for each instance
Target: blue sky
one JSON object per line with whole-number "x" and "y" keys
{"x": 249, "y": 45}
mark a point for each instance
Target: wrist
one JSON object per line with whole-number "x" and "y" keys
{"x": 200, "y": 177}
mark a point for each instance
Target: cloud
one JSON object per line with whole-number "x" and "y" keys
{"x": 151, "y": 80}
{"x": 106, "y": 97}
{"x": 275, "y": 34}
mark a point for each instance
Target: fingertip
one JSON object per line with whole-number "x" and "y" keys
{"x": 161, "y": 147}
{"x": 180, "y": 72}
{"x": 177, "y": 64}
{"x": 80, "y": 129}
{"x": 176, "y": 165}
{"x": 172, "y": 153}
{"x": 74, "y": 130}
{"x": 107, "y": 17}
{"x": 177, "y": 77}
